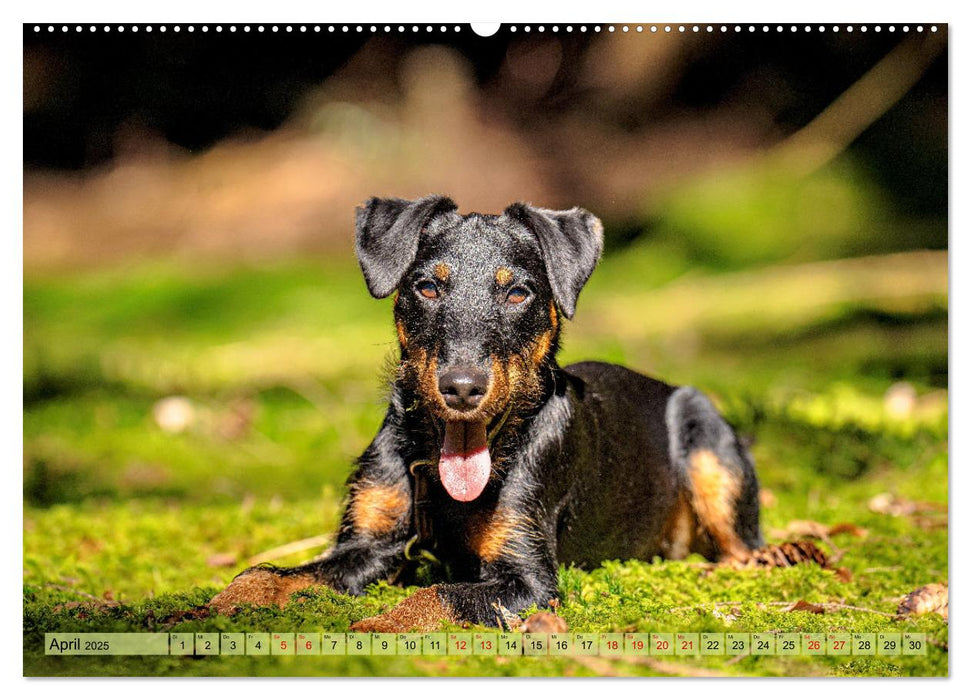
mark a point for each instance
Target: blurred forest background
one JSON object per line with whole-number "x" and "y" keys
{"x": 249, "y": 147}
{"x": 201, "y": 354}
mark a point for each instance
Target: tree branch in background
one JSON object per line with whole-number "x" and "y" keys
{"x": 863, "y": 103}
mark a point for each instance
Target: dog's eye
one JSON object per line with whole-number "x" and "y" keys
{"x": 427, "y": 289}
{"x": 517, "y": 295}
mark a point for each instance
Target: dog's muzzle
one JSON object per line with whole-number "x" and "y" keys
{"x": 464, "y": 465}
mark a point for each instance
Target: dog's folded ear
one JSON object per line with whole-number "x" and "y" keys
{"x": 387, "y": 235}
{"x": 570, "y": 241}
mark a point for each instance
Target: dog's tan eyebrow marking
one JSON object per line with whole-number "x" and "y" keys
{"x": 377, "y": 509}
{"x": 441, "y": 271}
{"x": 503, "y": 276}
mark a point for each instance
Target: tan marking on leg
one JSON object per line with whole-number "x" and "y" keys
{"x": 259, "y": 587}
{"x": 679, "y": 531}
{"x": 489, "y": 534}
{"x": 441, "y": 272}
{"x": 377, "y": 509}
{"x": 503, "y": 276}
{"x": 422, "y": 611}
{"x": 714, "y": 495}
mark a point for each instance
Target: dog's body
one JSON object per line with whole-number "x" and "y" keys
{"x": 494, "y": 460}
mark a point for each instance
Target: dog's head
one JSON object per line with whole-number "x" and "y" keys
{"x": 477, "y": 308}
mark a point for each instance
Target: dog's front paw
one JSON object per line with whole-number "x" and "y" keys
{"x": 379, "y": 623}
{"x": 259, "y": 586}
{"x": 421, "y": 612}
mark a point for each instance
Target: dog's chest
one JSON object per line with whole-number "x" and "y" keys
{"x": 472, "y": 534}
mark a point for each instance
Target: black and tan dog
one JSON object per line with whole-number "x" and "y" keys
{"x": 495, "y": 459}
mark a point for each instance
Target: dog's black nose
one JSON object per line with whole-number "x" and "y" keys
{"x": 463, "y": 387}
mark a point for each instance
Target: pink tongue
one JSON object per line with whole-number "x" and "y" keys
{"x": 465, "y": 464}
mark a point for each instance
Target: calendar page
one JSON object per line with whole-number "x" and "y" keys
{"x": 526, "y": 349}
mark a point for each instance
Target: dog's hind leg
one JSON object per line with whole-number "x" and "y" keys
{"x": 716, "y": 473}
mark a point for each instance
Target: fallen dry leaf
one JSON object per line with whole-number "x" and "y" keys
{"x": 931, "y": 598}
{"x": 888, "y": 504}
{"x": 844, "y": 575}
{"x": 930, "y": 522}
{"x": 786, "y": 554}
{"x": 86, "y": 606}
{"x": 811, "y": 528}
{"x": 803, "y": 606}
{"x": 544, "y": 622}
{"x": 236, "y": 420}
{"x": 199, "y": 612}
{"x": 801, "y": 528}
{"x": 222, "y": 559}
{"x": 727, "y": 617}
{"x": 767, "y": 499}
{"x": 848, "y": 529}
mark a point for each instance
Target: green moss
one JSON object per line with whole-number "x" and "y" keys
{"x": 127, "y": 519}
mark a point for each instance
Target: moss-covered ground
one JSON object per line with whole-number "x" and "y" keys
{"x": 126, "y": 524}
